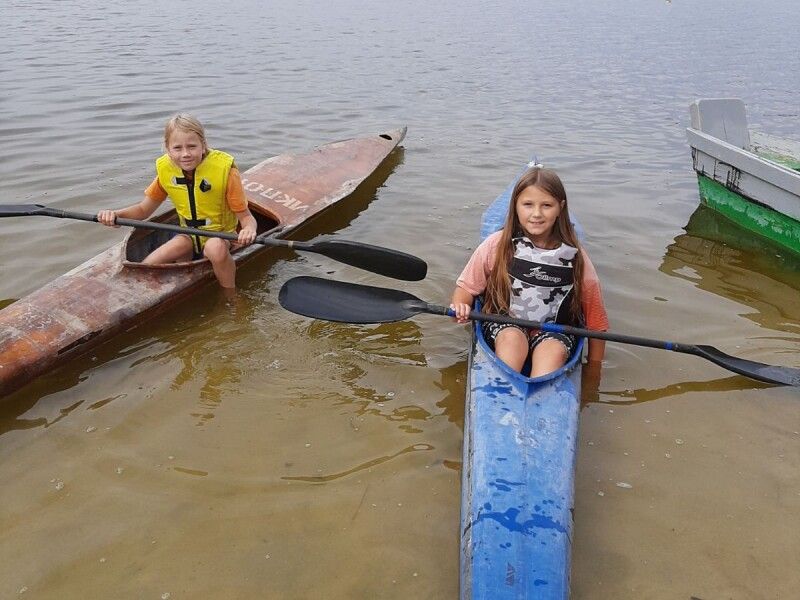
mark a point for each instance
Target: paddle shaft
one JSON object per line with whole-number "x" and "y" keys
{"x": 568, "y": 329}
{"x": 64, "y": 214}
{"x": 377, "y": 259}
{"x": 755, "y": 370}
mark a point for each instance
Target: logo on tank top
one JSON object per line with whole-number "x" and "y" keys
{"x": 539, "y": 274}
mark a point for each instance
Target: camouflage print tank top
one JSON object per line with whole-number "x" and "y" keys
{"x": 541, "y": 282}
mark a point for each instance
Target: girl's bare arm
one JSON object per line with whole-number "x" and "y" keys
{"x": 140, "y": 211}
{"x": 461, "y": 303}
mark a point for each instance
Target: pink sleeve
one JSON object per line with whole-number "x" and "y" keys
{"x": 594, "y": 310}
{"x": 475, "y": 275}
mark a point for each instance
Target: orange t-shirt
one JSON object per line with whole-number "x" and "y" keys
{"x": 234, "y": 193}
{"x": 474, "y": 277}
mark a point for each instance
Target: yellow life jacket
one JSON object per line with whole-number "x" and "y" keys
{"x": 200, "y": 202}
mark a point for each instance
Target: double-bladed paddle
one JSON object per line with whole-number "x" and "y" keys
{"x": 376, "y": 259}
{"x": 351, "y": 303}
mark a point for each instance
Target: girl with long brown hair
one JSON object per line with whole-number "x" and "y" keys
{"x": 535, "y": 269}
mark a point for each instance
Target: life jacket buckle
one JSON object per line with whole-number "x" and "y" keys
{"x": 197, "y": 222}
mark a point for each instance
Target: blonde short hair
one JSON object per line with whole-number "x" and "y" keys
{"x": 184, "y": 122}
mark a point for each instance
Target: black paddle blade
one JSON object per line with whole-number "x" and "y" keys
{"x": 23, "y": 210}
{"x": 383, "y": 261}
{"x": 347, "y": 302}
{"x": 749, "y": 368}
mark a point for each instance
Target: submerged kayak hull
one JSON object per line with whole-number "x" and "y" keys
{"x": 520, "y": 442}
{"x": 111, "y": 292}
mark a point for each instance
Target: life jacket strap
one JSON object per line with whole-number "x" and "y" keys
{"x": 197, "y": 222}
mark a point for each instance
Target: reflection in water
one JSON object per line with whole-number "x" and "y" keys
{"x": 210, "y": 355}
{"x": 383, "y": 385}
{"x": 734, "y": 383}
{"x": 384, "y": 342}
{"x": 43, "y": 397}
{"x": 361, "y": 352}
{"x": 395, "y": 346}
{"x": 194, "y": 472}
{"x": 19, "y": 424}
{"x": 366, "y": 465}
{"x": 21, "y": 402}
{"x": 720, "y": 257}
{"x": 453, "y": 383}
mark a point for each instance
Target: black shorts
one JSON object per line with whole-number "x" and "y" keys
{"x": 491, "y": 330}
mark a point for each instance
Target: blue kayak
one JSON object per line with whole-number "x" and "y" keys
{"x": 520, "y": 441}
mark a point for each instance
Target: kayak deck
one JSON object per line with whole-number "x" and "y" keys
{"x": 520, "y": 443}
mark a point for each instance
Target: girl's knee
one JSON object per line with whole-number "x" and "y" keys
{"x": 512, "y": 337}
{"x": 547, "y": 357}
{"x": 511, "y": 346}
{"x": 216, "y": 250}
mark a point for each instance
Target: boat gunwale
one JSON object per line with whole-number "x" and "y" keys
{"x": 785, "y": 177}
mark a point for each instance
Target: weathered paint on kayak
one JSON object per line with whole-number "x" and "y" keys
{"x": 520, "y": 442}
{"x": 109, "y": 293}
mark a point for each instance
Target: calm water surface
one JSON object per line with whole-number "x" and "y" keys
{"x": 243, "y": 452}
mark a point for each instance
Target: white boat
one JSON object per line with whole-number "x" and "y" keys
{"x": 750, "y": 177}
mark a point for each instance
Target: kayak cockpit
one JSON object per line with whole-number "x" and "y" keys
{"x": 524, "y": 378}
{"x": 141, "y": 242}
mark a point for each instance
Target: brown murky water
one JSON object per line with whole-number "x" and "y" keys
{"x": 244, "y": 452}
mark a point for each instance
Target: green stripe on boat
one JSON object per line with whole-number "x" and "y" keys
{"x": 754, "y": 217}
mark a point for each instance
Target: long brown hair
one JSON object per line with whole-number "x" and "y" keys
{"x": 498, "y": 288}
